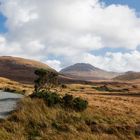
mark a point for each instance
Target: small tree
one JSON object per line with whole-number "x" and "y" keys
{"x": 41, "y": 80}
{"x": 46, "y": 80}
{"x": 52, "y": 80}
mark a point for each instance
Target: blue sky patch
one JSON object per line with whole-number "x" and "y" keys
{"x": 3, "y": 29}
{"x": 134, "y": 4}
{"x": 103, "y": 51}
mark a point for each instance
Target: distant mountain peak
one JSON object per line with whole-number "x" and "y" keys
{"x": 85, "y": 67}
{"x": 85, "y": 71}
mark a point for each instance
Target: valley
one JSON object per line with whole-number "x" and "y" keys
{"x": 113, "y": 111}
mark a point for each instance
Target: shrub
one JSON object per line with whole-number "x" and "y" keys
{"x": 68, "y": 100}
{"x": 79, "y": 104}
{"x": 63, "y": 86}
{"x": 52, "y": 99}
{"x": 38, "y": 94}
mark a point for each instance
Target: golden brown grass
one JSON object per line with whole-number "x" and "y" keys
{"x": 108, "y": 117}
{"x": 35, "y": 121}
{"x": 6, "y": 84}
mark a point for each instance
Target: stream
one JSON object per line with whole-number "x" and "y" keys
{"x": 8, "y": 103}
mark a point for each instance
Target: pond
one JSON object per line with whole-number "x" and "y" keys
{"x": 8, "y": 103}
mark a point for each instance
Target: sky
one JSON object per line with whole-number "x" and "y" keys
{"x": 134, "y": 4}
{"x": 104, "y": 33}
{"x": 2, "y": 24}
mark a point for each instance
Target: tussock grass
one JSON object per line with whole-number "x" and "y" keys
{"x": 35, "y": 121}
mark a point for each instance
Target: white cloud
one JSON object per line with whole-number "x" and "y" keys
{"x": 2, "y": 41}
{"x": 69, "y": 29}
{"x": 120, "y": 62}
{"x": 54, "y": 64}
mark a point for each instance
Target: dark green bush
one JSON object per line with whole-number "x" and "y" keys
{"x": 102, "y": 88}
{"x": 52, "y": 99}
{"x": 79, "y": 104}
{"x": 38, "y": 94}
{"x": 63, "y": 86}
{"x": 68, "y": 100}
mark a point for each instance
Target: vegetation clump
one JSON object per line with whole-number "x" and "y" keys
{"x": 107, "y": 89}
{"x": 67, "y": 101}
{"x": 53, "y": 99}
{"x": 63, "y": 86}
{"x": 45, "y": 82}
{"x": 77, "y": 103}
{"x": 80, "y": 104}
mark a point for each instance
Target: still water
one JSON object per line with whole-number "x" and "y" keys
{"x": 8, "y": 103}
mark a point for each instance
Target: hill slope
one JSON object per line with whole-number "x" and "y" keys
{"x": 128, "y": 76}
{"x": 19, "y": 69}
{"x": 85, "y": 71}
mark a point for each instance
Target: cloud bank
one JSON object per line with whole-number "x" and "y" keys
{"x": 69, "y": 31}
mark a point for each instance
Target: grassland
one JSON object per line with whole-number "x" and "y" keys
{"x": 8, "y": 85}
{"x": 113, "y": 114}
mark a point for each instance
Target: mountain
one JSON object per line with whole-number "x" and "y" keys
{"x": 128, "y": 76}
{"x": 84, "y": 71}
{"x": 20, "y": 69}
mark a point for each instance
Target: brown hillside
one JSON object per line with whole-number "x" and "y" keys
{"x": 19, "y": 69}
{"x": 128, "y": 76}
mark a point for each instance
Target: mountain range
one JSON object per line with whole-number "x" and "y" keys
{"x": 22, "y": 70}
